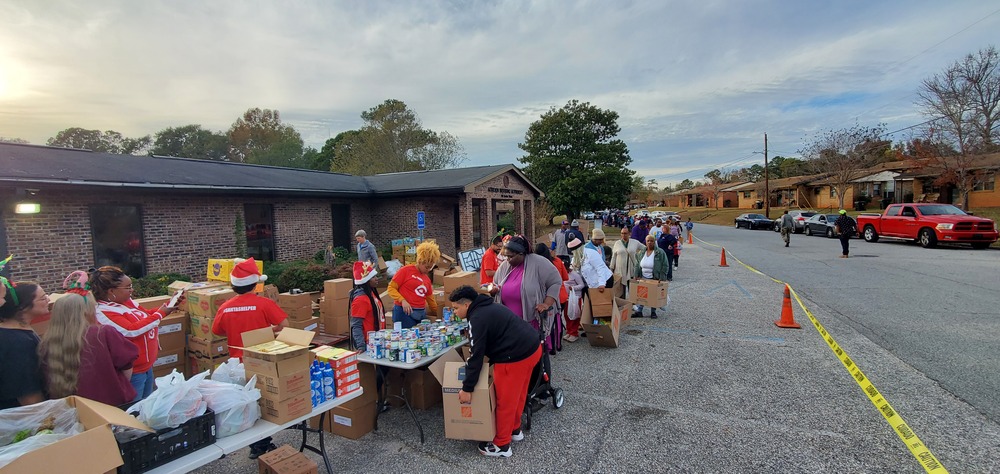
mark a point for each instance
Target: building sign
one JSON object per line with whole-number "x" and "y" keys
{"x": 505, "y": 192}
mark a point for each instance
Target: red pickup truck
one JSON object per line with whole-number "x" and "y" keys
{"x": 928, "y": 224}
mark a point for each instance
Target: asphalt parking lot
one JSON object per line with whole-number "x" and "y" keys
{"x": 714, "y": 386}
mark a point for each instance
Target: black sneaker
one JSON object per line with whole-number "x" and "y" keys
{"x": 652, "y": 314}
{"x": 637, "y": 314}
{"x": 490, "y": 449}
{"x": 258, "y": 449}
{"x": 517, "y": 435}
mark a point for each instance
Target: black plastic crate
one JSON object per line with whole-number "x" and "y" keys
{"x": 142, "y": 450}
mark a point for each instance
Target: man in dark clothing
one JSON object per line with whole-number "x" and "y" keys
{"x": 846, "y": 227}
{"x": 574, "y": 231}
{"x": 513, "y": 346}
{"x": 668, "y": 242}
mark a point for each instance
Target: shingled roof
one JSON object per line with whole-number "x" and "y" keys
{"x": 26, "y": 165}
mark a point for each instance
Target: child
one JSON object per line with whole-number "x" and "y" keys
{"x": 246, "y": 312}
{"x": 82, "y": 357}
{"x": 575, "y": 285}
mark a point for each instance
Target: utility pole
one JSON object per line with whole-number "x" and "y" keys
{"x": 767, "y": 186}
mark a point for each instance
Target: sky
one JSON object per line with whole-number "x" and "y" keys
{"x": 696, "y": 84}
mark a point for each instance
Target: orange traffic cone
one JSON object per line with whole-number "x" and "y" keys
{"x": 787, "y": 318}
{"x": 722, "y": 263}
{"x": 690, "y": 239}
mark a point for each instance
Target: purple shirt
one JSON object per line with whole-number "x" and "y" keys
{"x": 510, "y": 292}
{"x": 639, "y": 232}
{"x": 106, "y": 353}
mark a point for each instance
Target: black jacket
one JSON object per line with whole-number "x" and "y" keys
{"x": 496, "y": 332}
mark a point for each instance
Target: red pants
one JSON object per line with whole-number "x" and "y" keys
{"x": 573, "y": 327}
{"x": 511, "y": 382}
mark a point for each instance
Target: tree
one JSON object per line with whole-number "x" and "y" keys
{"x": 103, "y": 142}
{"x": 392, "y": 140}
{"x": 965, "y": 101}
{"x": 843, "y": 154}
{"x": 13, "y": 140}
{"x": 716, "y": 181}
{"x": 191, "y": 141}
{"x": 573, "y": 155}
{"x": 686, "y": 184}
{"x": 260, "y": 137}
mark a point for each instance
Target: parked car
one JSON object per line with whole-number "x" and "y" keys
{"x": 588, "y": 216}
{"x": 753, "y": 221}
{"x": 798, "y": 218}
{"x": 823, "y": 224}
{"x": 928, "y": 224}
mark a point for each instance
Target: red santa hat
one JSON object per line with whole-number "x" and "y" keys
{"x": 246, "y": 273}
{"x": 364, "y": 271}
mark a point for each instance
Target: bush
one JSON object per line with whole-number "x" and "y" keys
{"x": 155, "y": 284}
{"x": 506, "y": 224}
{"x": 306, "y": 276}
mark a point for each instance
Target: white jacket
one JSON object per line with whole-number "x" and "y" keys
{"x": 593, "y": 269}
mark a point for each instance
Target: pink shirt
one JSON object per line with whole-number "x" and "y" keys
{"x": 510, "y": 292}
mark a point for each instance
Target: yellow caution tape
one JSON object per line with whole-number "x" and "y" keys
{"x": 903, "y": 430}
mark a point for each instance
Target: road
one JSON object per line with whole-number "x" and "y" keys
{"x": 938, "y": 310}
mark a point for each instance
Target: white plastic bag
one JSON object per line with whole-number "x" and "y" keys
{"x": 174, "y": 402}
{"x": 573, "y": 310}
{"x": 232, "y": 371}
{"x": 392, "y": 266}
{"x": 56, "y": 415}
{"x": 235, "y": 406}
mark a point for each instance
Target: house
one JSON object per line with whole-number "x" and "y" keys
{"x": 919, "y": 181}
{"x": 710, "y": 195}
{"x": 67, "y": 209}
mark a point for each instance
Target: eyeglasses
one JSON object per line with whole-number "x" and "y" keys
{"x": 129, "y": 288}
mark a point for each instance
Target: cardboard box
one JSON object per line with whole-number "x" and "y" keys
{"x": 282, "y": 388}
{"x": 352, "y": 423}
{"x": 173, "y": 331}
{"x": 206, "y": 302}
{"x": 208, "y": 348}
{"x": 311, "y": 324}
{"x": 341, "y": 373}
{"x": 381, "y": 265}
{"x": 272, "y": 461}
{"x": 220, "y": 268}
{"x": 423, "y": 389}
{"x": 297, "y": 464}
{"x": 197, "y": 365}
{"x": 604, "y": 331}
{"x": 282, "y": 411}
{"x": 387, "y": 302}
{"x": 337, "y": 307}
{"x": 437, "y": 279}
{"x": 446, "y": 262}
{"x": 475, "y": 421}
{"x": 458, "y": 279}
{"x": 337, "y": 358}
{"x": 270, "y": 292}
{"x": 201, "y": 326}
{"x": 368, "y": 383}
{"x": 94, "y": 450}
{"x": 298, "y": 300}
{"x": 652, "y": 293}
{"x": 293, "y": 357}
{"x": 338, "y": 288}
{"x": 153, "y": 302}
{"x": 172, "y": 357}
{"x": 181, "y": 368}
{"x": 600, "y": 302}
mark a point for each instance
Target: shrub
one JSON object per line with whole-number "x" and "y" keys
{"x": 306, "y": 276}
{"x": 155, "y": 284}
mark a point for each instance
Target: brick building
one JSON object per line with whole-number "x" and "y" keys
{"x": 81, "y": 209}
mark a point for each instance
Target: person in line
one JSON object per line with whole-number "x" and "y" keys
{"x": 21, "y": 380}
{"x": 640, "y": 230}
{"x": 576, "y": 286}
{"x": 366, "y": 249}
{"x": 657, "y": 228}
{"x": 411, "y": 287}
{"x": 787, "y": 226}
{"x": 678, "y": 245}
{"x": 82, "y": 357}
{"x": 367, "y": 313}
{"x": 622, "y": 261}
{"x": 248, "y": 311}
{"x": 559, "y": 239}
{"x": 651, "y": 263}
{"x": 574, "y": 230}
{"x": 116, "y": 308}
{"x": 527, "y": 284}
{"x": 668, "y": 242}
{"x": 846, "y": 228}
{"x": 595, "y": 273}
{"x": 554, "y": 341}
{"x": 513, "y": 347}
{"x": 690, "y": 227}
{"x": 491, "y": 261}
{"x": 597, "y": 244}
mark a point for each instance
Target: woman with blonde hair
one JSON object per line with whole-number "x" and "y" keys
{"x": 411, "y": 287}
{"x": 80, "y": 356}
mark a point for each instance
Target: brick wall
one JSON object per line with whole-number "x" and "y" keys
{"x": 397, "y": 218}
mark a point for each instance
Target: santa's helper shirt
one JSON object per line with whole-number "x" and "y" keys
{"x": 244, "y": 313}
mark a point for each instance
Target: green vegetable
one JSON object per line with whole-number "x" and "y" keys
{"x": 41, "y": 432}
{"x": 22, "y": 435}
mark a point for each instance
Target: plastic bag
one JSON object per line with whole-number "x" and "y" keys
{"x": 392, "y": 266}
{"x": 174, "y": 402}
{"x": 232, "y": 371}
{"x": 573, "y": 310}
{"x": 55, "y": 415}
{"x": 235, "y": 406}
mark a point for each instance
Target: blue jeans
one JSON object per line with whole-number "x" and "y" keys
{"x": 408, "y": 320}
{"x": 143, "y": 384}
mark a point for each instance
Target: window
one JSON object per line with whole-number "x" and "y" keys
{"x": 987, "y": 182}
{"x": 260, "y": 231}
{"x": 117, "y": 234}
{"x": 893, "y": 211}
{"x": 477, "y": 235}
{"x": 833, "y": 191}
{"x": 746, "y": 194}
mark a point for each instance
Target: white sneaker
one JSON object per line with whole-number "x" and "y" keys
{"x": 490, "y": 449}
{"x": 517, "y": 435}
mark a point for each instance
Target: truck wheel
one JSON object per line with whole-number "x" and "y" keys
{"x": 870, "y": 234}
{"x": 927, "y": 238}
{"x": 829, "y": 233}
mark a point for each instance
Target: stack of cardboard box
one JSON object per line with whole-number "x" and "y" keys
{"x": 335, "y": 307}
{"x": 475, "y": 421}
{"x": 202, "y": 307}
{"x": 299, "y": 308}
{"x": 281, "y": 364}
{"x": 173, "y": 338}
{"x": 354, "y": 418}
{"x": 405, "y": 250}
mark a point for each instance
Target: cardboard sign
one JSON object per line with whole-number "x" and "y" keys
{"x": 471, "y": 260}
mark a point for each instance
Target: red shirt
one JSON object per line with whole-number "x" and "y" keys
{"x": 244, "y": 313}
{"x": 563, "y": 294}
{"x": 138, "y": 325}
{"x": 413, "y": 286}
{"x": 491, "y": 263}
{"x": 105, "y": 354}
{"x": 361, "y": 308}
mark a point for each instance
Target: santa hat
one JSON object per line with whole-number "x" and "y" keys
{"x": 245, "y": 273}
{"x": 363, "y": 271}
